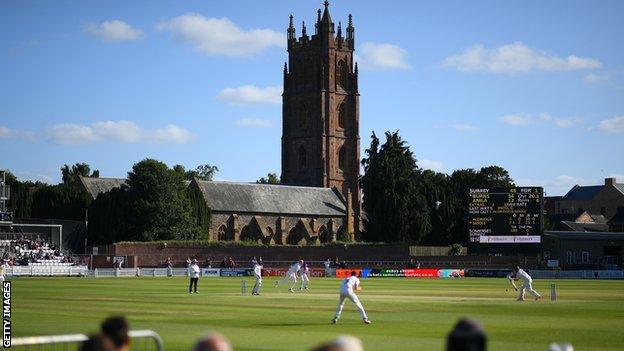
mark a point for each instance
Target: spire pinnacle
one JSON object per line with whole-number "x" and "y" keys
{"x": 303, "y": 29}
{"x": 291, "y": 28}
{"x": 339, "y": 29}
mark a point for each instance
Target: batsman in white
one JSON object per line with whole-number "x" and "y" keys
{"x": 257, "y": 269}
{"x": 347, "y": 291}
{"x": 303, "y": 273}
{"x": 291, "y": 274}
{"x": 527, "y": 283}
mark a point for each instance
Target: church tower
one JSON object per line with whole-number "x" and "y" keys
{"x": 320, "y": 116}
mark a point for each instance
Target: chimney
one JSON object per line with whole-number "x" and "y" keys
{"x": 610, "y": 181}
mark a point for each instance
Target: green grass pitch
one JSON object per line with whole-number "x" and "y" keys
{"x": 407, "y": 314}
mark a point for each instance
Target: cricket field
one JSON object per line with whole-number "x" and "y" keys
{"x": 407, "y": 314}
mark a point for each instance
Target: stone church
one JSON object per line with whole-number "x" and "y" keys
{"x": 319, "y": 199}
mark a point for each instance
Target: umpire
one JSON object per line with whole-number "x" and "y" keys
{"x": 194, "y": 275}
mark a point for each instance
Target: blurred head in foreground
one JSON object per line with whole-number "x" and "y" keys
{"x": 97, "y": 342}
{"x": 347, "y": 343}
{"x": 467, "y": 335}
{"x": 116, "y": 329}
{"x": 213, "y": 342}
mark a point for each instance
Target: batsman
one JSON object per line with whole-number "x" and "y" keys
{"x": 527, "y": 283}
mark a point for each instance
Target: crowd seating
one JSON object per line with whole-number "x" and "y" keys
{"x": 31, "y": 249}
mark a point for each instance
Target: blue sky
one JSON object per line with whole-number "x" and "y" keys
{"x": 536, "y": 87}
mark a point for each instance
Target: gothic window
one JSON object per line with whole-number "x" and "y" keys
{"x": 302, "y": 118}
{"x": 323, "y": 235}
{"x": 222, "y": 233}
{"x": 245, "y": 234}
{"x": 341, "y": 74}
{"x": 342, "y": 116}
{"x": 342, "y": 159}
{"x": 302, "y": 158}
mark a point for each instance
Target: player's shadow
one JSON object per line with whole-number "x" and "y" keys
{"x": 284, "y": 324}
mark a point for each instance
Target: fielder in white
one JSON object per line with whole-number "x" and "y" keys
{"x": 258, "y": 276}
{"x": 303, "y": 273}
{"x": 527, "y": 283}
{"x": 347, "y": 291}
{"x": 291, "y": 274}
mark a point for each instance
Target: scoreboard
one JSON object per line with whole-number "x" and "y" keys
{"x": 505, "y": 215}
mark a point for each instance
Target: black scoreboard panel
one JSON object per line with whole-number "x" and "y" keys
{"x": 505, "y": 215}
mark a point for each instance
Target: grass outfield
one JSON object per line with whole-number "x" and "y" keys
{"x": 407, "y": 314}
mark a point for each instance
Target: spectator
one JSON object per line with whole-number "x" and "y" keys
{"x": 208, "y": 263}
{"x": 116, "y": 329}
{"x": 348, "y": 343}
{"x": 224, "y": 263}
{"x": 213, "y": 342}
{"x": 467, "y": 335}
{"x": 97, "y": 342}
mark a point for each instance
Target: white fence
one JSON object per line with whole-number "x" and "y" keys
{"x": 141, "y": 340}
{"x": 19, "y": 271}
{"x": 584, "y": 274}
{"x": 139, "y": 272}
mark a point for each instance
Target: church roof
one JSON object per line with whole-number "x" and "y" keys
{"x": 273, "y": 199}
{"x": 97, "y": 186}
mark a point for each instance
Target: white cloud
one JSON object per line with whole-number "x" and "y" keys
{"x": 6, "y": 133}
{"x": 113, "y": 31}
{"x": 464, "y": 127}
{"x": 516, "y": 120}
{"x": 436, "y": 166}
{"x": 613, "y": 125}
{"x": 120, "y": 131}
{"x": 220, "y": 36}
{"x": 515, "y": 58}
{"x": 383, "y": 56}
{"x": 555, "y": 186}
{"x": 596, "y": 78}
{"x": 253, "y": 122}
{"x": 560, "y": 122}
{"x": 249, "y": 94}
{"x": 171, "y": 134}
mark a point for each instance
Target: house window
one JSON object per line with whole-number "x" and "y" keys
{"x": 585, "y": 257}
{"x": 222, "y": 233}
{"x": 303, "y": 117}
{"x": 341, "y": 74}
{"x": 302, "y": 157}
{"x": 341, "y": 116}
{"x": 569, "y": 257}
{"x": 342, "y": 159}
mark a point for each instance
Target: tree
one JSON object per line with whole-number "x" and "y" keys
{"x": 396, "y": 209}
{"x": 202, "y": 172}
{"x": 158, "y": 207}
{"x": 271, "y": 178}
{"x": 71, "y": 175}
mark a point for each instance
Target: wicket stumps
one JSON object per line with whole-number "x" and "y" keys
{"x": 243, "y": 287}
{"x": 553, "y": 292}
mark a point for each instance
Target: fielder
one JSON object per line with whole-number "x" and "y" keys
{"x": 347, "y": 291}
{"x": 258, "y": 277}
{"x": 527, "y": 283}
{"x": 303, "y": 273}
{"x": 291, "y": 274}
